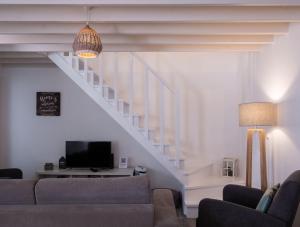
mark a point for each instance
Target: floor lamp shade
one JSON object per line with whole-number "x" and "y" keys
{"x": 258, "y": 114}
{"x": 252, "y": 115}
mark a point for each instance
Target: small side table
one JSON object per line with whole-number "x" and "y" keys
{"x": 55, "y": 173}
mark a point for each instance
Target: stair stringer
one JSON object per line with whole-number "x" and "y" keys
{"x": 75, "y": 76}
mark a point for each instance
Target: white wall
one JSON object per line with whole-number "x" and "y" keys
{"x": 278, "y": 80}
{"x": 210, "y": 85}
{"x": 28, "y": 141}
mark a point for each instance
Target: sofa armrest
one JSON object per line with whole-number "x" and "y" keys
{"x": 242, "y": 195}
{"x": 216, "y": 213}
{"x": 164, "y": 209}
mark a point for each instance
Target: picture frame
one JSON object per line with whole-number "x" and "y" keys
{"x": 48, "y": 103}
{"x": 123, "y": 162}
{"x": 229, "y": 167}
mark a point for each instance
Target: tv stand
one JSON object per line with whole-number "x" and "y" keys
{"x": 94, "y": 170}
{"x": 85, "y": 173}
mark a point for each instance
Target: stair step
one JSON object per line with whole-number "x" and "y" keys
{"x": 89, "y": 72}
{"x": 191, "y": 208}
{"x": 75, "y": 62}
{"x": 165, "y": 146}
{"x": 171, "y": 153}
{"x": 180, "y": 163}
{"x": 112, "y": 102}
{"x": 151, "y": 133}
{"x": 68, "y": 57}
{"x": 93, "y": 79}
{"x": 81, "y": 64}
{"x": 158, "y": 145}
{"x": 98, "y": 88}
{"x": 213, "y": 181}
{"x": 174, "y": 158}
{"x": 97, "y": 82}
{"x": 196, "y": 165}
{"x": 66, "y": 54}
{"x": 119, "y": 106}
{"x": 88, "y": 76}
{"x": 108, "y": 93}
{"x": 134, "y": 120}
{"x": 123, "y": 107}
{"x": 205, "y": 187}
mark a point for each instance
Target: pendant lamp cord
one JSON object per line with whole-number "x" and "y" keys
{"x": 87, "y": 9}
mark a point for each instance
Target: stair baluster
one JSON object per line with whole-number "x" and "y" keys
{"x": 77, "y": 63}
{"x": 130, "y": 88}
{"x": 162, "y": 116}
{"x": 70, "y": 55}
{"x": 115, "y": 79}
{"x": 101, "y": 73}
{"x": 177, "y": 127}
{"x": 146, "y": 102}
{"x": 85, "y": 69}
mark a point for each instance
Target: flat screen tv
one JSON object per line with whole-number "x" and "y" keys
{"x": 81, "y": 154}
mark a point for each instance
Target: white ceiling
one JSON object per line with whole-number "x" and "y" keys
{"x": 146, "y": 25}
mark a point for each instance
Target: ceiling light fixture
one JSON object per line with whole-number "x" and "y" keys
{"x": 87, "y": 43}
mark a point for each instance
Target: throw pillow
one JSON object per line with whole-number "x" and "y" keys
{"x": 267, "y": 198}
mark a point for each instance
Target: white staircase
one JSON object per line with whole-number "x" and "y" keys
{"x": 196, "y": 178}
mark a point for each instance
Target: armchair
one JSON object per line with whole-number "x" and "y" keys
{"x": 238, "y": 207}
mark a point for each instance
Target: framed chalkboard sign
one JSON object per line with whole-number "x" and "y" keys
{"x": 48, "y": 103}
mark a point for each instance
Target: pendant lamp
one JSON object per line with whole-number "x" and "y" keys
{"x": 87, "y": 43}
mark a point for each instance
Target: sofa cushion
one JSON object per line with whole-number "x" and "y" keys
{"x": 16, "y": 192}
{"x": 266, "y": 200}
{"x": 130, "y": 190}
{"x": 102, "y": 215}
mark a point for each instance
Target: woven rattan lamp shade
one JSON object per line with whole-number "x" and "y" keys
{"x": 87, "y": 43}
{"x": 258, "y": 114}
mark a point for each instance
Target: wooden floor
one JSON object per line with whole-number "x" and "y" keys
{"x": 187, "y": 222}
{"x": 190, "y": 223}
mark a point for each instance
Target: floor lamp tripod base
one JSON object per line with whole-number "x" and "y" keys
{"x": 262, "y": 150}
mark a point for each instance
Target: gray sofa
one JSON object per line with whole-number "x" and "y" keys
{"x": 85, "y": 202}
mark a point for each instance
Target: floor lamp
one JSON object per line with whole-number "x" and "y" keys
{"x": 254, "y": 115}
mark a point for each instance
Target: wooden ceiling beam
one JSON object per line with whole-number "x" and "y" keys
{"x": 129, "y": 48}
{"x": 9, "y": 13}
{"x": 31, "y": 55}
{"x": 25, "y": 61}
{"x": 149, "y": 28}
{"x": 151, "y": 2}
{"x": 142, "y": 39}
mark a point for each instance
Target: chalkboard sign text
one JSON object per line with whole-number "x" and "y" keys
{"x": 48, "y": 103}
